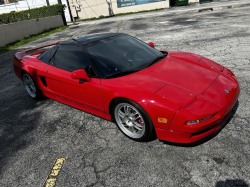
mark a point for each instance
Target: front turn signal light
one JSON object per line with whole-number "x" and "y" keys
{"x": 162, "y": 120}
{"x": 200, "y": 120}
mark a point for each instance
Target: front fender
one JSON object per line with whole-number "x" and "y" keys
{"x": 153, "y": 104}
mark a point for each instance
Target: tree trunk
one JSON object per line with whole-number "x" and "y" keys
{"x": 63, "y": 15}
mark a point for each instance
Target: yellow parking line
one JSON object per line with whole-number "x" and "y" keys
{"x": 242, "y": 12}
{"x": 212, "y": 19}
{"x": 118, "y": 28}
{"x": 57, "y": 166}
{"x": 159, "y": 23}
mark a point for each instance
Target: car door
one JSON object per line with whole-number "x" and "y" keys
{"x": 84, "y": 95}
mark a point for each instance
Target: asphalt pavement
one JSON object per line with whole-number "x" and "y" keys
{"x": 47, "y": 142}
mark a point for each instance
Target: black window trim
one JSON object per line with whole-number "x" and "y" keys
{"x": 118, "y": 34}
{"x": 39, "y": 57}
{"x": 96, "y": 69}
{"x": 92, "y": 64}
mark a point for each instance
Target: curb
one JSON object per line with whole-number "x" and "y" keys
{"x": 221, "y": 7}
{"x": 197, "y": 7}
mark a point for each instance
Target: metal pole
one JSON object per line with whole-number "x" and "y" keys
{"x": 15, "y": 6}
{"x": 47, "y": 1}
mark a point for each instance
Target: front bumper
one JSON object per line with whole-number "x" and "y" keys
{"x": 201, "y": 131}
{"x": 179, "y": 138}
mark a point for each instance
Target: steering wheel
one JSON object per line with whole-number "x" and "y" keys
{"x": 128, "y": 56}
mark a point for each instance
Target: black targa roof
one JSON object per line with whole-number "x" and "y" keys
{"x": 91, "y": 38}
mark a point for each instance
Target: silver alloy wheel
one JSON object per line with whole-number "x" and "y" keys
{"x": 129, "y": 120}
{"x": 29, "y": 85}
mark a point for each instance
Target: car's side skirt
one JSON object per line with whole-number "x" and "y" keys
{"x": 77, "y": 105}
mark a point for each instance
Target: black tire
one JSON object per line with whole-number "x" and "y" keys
{"x": 146, "y": 134}
{"x": 37, "y": 95}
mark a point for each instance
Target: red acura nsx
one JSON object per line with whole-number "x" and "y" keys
{"x": 181, "y": 97}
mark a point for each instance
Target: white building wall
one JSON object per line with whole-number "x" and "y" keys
{"x": 25, "y": 4}
{"x": 82, "y": 9}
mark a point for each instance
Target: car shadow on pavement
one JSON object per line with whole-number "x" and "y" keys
{"x": 19, "y": 114}
{"x": 231, "y": 183}
{"x": 19, "y": 119}
{"x": 213, "y": 135}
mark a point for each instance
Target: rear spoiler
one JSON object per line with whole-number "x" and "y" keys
{"x": 21, "y": 54}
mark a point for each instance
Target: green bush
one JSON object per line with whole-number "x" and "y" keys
{"x": 33, "y": 13}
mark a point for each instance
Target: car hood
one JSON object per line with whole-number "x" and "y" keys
{"x": 179, "y": 69}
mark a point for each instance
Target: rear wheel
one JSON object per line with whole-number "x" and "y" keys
{"x": 31, "y": 87}
{"x": 132, "y": 120}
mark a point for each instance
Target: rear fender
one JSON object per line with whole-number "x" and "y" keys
{"x": 19, "y": 60}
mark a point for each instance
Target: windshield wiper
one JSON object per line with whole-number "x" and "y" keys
{"x": 121, "y": 74}
{"x": 157, "y": 59}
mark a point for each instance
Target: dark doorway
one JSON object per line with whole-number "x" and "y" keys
{"x": 172, "y": 3}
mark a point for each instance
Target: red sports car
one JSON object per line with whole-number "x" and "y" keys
{"x": 182, "y": 97}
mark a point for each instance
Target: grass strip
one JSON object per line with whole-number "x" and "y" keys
{"x": 121, "y": 14}
{"x": 31, "y": 38}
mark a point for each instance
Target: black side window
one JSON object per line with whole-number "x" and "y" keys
{"x": 91, "y": 73}
{"x": 47, "y": 55}
{"x": 70, "y": 58}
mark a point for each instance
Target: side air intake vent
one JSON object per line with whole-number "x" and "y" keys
{"x": 43, "y": 81}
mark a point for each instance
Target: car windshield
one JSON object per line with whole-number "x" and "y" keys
{"x": 121, "y": 54}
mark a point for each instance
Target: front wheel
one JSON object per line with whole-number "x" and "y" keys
{"x": 132, "y": 120}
